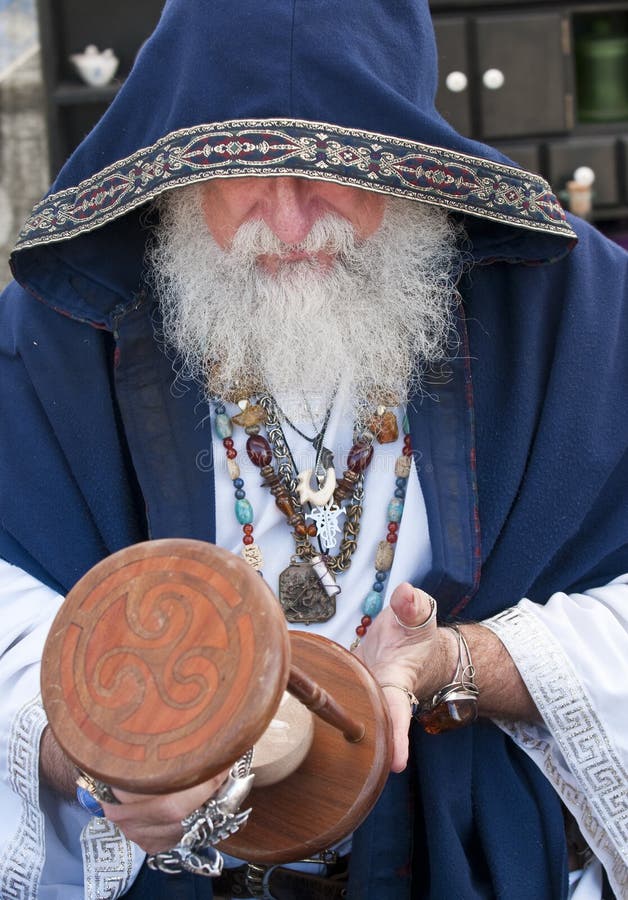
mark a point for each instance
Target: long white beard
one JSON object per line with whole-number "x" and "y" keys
{"x": 374, "y": 320}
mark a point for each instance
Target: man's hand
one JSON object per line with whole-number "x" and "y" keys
{"x": 420, "y": 661}
{"x": 153, "y": 821}
{"x": 425, "y": 660}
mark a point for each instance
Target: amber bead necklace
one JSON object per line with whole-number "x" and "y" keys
{"x": 307, "y": 587}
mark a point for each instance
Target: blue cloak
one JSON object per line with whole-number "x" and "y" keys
{"x": 520, "y": 446}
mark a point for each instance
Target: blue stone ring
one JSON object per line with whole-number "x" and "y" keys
{"x": 88, "y": 802}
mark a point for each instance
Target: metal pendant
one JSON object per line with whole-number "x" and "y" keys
{"x": 326, "y": 520}
{"x": 307, "y": 591}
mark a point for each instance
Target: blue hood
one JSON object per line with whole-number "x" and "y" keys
{"x": 337, "y": 91}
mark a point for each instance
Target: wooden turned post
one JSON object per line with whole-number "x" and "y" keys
{"x": 312, "y": 695}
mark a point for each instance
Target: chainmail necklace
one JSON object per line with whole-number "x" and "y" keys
{"x": 307, "y": 587}
{"x": 287, "y": 471}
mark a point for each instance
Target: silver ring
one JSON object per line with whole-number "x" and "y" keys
{"x": 412, "y": 699}
{"x": 211, "y": 823}
{"x": 429, "y": 619}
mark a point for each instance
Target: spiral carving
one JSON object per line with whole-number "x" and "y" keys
{"x": 146, "y": 660}
{"x": 155, "y": 659}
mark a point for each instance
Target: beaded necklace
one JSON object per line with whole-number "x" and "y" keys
{"x": 316, "y": 569}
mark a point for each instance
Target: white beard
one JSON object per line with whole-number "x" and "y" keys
{"x": 374, "y": 321}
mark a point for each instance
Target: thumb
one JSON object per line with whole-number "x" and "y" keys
{"x": 415, "y": 612}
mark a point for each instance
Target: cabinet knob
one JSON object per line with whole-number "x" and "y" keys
{"x": 493, "y": 79}
{"x": 456, "y": 82}
{"x": 584, "y": 175}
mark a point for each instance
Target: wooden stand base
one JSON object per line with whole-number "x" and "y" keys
{"x": 336, "y": 786}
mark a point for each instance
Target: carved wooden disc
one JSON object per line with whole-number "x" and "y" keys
{"x": 338, "y": 783}
{"x": 164, "y": 665}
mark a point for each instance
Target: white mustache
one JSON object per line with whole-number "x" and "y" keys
{"x": 330, "y": 234}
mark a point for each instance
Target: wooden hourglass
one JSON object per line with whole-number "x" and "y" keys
{"x": 170, "y": 659}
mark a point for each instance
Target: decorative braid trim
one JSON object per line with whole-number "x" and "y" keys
{"x": 347, "y": 156}
{"x": 597, "y": 794}
{"x": 107, "y": 860}
{"x": 23, "y": 857}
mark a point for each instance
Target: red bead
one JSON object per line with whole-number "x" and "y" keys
{"x": 407, "y": 451}
{"x": 359, "y": 457}
{"x": 248, "y": 539}
{"x": 228, "y": 443}
{"x": 311, "y": 530}
{"x": 407, "y": 440}
{"x": 259, "y": 450}
{"x": 366, "y": 621}
{"x": 393, "y": 527}
{"x": 232, "y": 453}
{"x": 247, "y": 529}
{"x": 391, "y": 538}
{"x": 360, "y": 631}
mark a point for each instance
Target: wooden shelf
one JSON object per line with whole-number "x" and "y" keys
{"x": 67, "y": 27}
{"x": 67, "y": 93}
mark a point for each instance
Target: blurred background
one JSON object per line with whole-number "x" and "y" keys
{"x": 545, "y": 81}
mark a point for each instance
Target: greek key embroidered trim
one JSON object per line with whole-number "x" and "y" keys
{"x": 310, "y": 149}
{"x": 599, "y": 792}
{"x": 107, "y": 860}
{"x": 23, "y": 857}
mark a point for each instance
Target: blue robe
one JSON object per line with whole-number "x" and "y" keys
{"x": 520, "y": 447}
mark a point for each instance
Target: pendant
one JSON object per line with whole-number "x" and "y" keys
{"x": 318, "y": 497}
{"x": 307, "y": 591}
{"x": 326, "y": 520}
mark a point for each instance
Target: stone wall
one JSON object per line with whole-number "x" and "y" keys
{"x": 23, "y": 153}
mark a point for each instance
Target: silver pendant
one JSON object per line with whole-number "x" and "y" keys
{"x": 307, "y": 591}
{"x": 326, "y": 521}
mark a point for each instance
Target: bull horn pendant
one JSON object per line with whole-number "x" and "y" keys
{"x": 319, "y": 497}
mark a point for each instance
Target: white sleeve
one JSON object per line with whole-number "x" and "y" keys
{"x": 572, "y": 654}
{"x": 50, "y": 848}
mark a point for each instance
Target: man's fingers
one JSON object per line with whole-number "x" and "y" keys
{"x": 400, "y": 710}
{"x": 414, "y": 610}
{"x": 153, "y": 821}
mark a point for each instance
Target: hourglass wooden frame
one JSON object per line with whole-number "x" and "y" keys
{"x": 168, "y": 661}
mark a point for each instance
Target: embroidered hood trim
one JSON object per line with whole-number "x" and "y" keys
{"x": 389, "y": 165}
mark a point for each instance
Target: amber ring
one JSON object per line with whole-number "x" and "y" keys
{"x": 430, "y": 618}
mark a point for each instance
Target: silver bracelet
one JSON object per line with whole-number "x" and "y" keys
{"x": 211, "y": 823}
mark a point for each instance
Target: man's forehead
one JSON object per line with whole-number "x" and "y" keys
{"x": 268, "y": 181}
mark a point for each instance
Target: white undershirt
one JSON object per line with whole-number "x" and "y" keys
{"x": 272, "y": 533}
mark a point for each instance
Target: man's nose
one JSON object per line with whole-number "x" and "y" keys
{"x": 289, "y": 208}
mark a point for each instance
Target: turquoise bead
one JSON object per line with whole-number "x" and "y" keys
{"x": 223, "y": 426}
{"x": 395, "y": 510}
{"x": 372, "y": 604}
{"x": 406, "y": 424}
{"x": 244, "y": 512}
